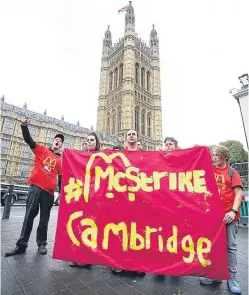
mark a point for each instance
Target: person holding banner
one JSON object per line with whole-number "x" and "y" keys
{"x": 230, "y": 188}
{"x": 43, "y": 181}
{"x": 84, "y": 145}
{"x": 91, "y": 144}
{"x": 139, "y": 145}
{"x": 132, "y": 145}
{"x": 171, "y": 144}
{"x": 132, "y": 140}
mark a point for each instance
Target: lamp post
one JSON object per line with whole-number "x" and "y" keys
{"x": 242, "y": 98}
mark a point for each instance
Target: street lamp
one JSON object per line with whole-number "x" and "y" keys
{"x": 242, "y": 98}
{"x": 244, "y": 80}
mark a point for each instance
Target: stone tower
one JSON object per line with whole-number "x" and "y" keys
{"x": 130, "y": 91}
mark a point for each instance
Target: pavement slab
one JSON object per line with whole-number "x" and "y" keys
{"x": 35, "y": 274}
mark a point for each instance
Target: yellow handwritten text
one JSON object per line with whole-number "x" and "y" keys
{"x": 131, "y": 180}
{"x": 131, "y": 239}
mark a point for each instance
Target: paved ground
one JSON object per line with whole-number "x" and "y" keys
{"x": 32, "y": 273}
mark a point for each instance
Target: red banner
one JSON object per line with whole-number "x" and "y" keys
{"x": 145, "y": 211}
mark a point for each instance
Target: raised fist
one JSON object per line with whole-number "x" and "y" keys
{"x": 26, "y": 122}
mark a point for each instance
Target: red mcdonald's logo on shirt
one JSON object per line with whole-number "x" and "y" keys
{"x": 50, "y": 162}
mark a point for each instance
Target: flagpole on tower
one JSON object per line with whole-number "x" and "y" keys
{"x": 123, "y": 9}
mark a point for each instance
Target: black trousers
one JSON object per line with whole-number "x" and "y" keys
{"x": 36, "y": 197}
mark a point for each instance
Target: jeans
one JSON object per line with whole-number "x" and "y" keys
{"x": 36, "y": 197}
{"x": 232, "y": 230}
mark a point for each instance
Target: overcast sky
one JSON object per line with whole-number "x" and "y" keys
{"x": 50, "y": 58}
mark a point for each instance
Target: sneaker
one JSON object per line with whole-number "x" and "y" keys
{"x": 206, "y": 281}
{"x": 233, "y": 286}
{"x": 117, "y": 270}
{"x": 72, "y": 264}
{"x": 243, "y": 225}
{"x": 42, "y": 249}
{"x": 16, "y": 251}
{"x": 139, "y": 273}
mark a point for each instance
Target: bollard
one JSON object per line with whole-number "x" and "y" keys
{"x": 7, "y": 205}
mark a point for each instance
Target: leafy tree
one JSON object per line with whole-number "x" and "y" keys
{"x": 236, "y": 150}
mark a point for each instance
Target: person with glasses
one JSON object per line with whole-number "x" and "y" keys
{"x": 170, "y": 144}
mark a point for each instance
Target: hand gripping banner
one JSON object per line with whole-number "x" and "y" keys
{"x": 146, "y": 211}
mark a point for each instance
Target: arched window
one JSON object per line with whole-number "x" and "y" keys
{"x": 121, "y": 73}
{"x": 143, "y": 122}
{"x": 137, "y": 119}
{"x": 110, "y": 81}
{"x": 108, "y": 124}
{"x": 149, "y": 125}
{"x": 116, "y": 78}
{"x": 142, "y": 77}
{"x": 113, "y": 122}
{"x": 137, "y": 73}
{"x": 148, "y": 81}
{"x": 119, "y": 119}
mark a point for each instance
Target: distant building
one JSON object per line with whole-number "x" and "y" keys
{"x": 129, "y": 97}
{"x": 16, "y": 156}
{"x": 130, "y": 89}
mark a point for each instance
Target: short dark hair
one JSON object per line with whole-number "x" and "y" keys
{"x": 61, "y": 136}
{"x": 133, "y": 130}
{"x": 171, "y": 139}
{"x": 97, "y": 148}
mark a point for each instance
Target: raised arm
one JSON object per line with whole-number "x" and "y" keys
{"x": 26, "y": 135}
{"x": 59, "y": 183}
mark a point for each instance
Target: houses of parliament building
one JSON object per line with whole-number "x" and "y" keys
{"x": 16, "y": 155}
{"x": 129, "y": 97}
{"x": 130, "y": 91}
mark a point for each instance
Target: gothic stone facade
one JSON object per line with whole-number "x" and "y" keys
{"x": 16, "y": 156}
{"x": 130, "y": 91}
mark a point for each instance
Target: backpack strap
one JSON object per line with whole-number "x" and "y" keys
{"x": 231, "y": 172}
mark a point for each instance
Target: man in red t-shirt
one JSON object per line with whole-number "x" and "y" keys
{"x": 43, "y": 182}
{"x": 132, "y": 140}
{"x": 132, "y": 145}
{"x": 230, "y": 189}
